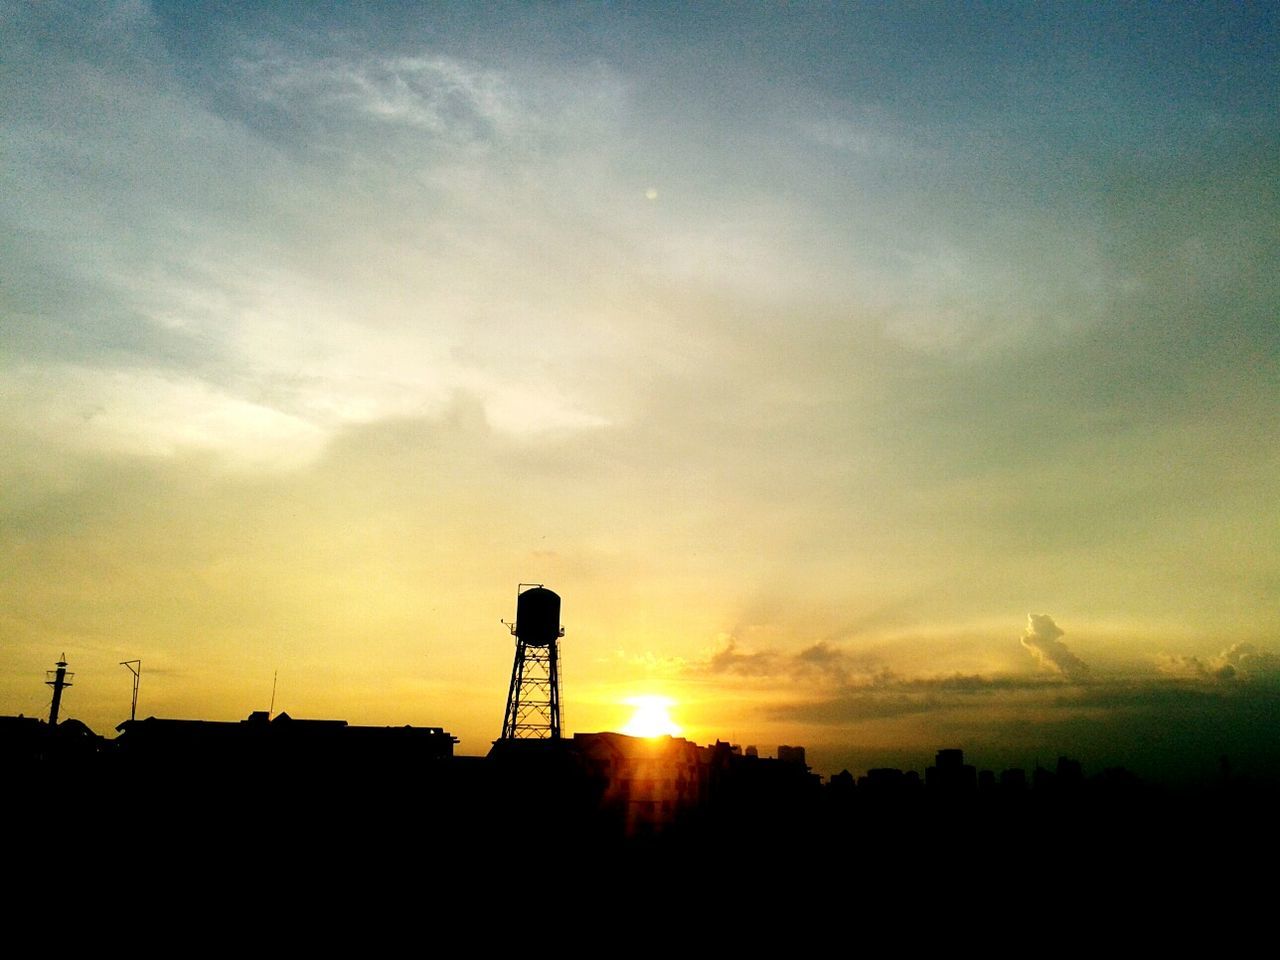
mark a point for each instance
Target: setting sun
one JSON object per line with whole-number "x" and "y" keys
{"x": 651, "y": 718}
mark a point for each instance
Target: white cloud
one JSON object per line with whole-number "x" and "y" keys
{"x": 870, "y": 137}
{"x": 1043, "y": 638}
{"x": 152, "y": 414}
{"x": 431, "y": 92}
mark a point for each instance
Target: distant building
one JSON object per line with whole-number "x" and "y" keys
{"x": 950, "y": 774}
{"x": 649, "y": 783}
{"x": 885, "y": 781}
{"x": 792, "y": 755}
{"x": 841, "y": 784}
{"x": 1013, "y": 780}
{"x": 1070, "y": 773}
{"x": 30, "y": 739}
{"x": 260, "y": 739}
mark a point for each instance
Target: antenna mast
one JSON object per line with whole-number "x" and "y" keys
{"x": 61, "y": 680}
{"x": 135, "y": 667}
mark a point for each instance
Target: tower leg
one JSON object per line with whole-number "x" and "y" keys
{"x": 553, "y": 694}
{"x": 513, "y": 694}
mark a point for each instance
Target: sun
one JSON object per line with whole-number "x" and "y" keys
{"x": 651, "y": 718}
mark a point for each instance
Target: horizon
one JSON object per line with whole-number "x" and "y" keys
{"x": 1184, "y": 770}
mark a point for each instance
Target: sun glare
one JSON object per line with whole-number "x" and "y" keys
{"x": 650, "y": 718}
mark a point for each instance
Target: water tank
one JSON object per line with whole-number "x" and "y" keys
{"x": 538, "y": 616}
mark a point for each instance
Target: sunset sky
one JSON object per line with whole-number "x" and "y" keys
{"x": 873, "y": 377}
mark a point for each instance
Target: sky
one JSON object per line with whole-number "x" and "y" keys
{"x": 872, "y": 377}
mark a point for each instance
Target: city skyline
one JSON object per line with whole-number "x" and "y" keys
{"x": 872, "y": 378}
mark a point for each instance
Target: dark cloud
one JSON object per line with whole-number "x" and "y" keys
{"x": 858, "y": 687}
{"x": 821, "y": 661}
{"x": 977, "y": 683}
{"x": 1163, "y": 728}
{"x": 887, "y": 695}
{"x": 729, "y": 660}
{"x": 1042, "y": 638}
{"x": 1172, "y": 725}
{"x": 836, "y": 665}
{"x": 1149, "y": 694}
{"x": 857, "y": 671}
{"x": 894, "y": 696}
{"x": 854, "y": 707}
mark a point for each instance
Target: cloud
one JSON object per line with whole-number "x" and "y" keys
{"x": 648, "y": 662}
{"x": 976, "y": 683}
{"x": 1189, "y": 667}
{"x": 1164, "y": 727}
{"x": 152, "y": 413}
{"x": 1241, "y": 661}
{"x": 866, "y": 136}
{"x": 851, "y": 670}
{"x": 729, "y": 660}
{"x": 1248, "y": 661}
{"x": 887, "y": 695}
{"x": 852, "y": 708}
{"x": 822, "y": 662}
{"x": 1042, "y": 638}
{"x": 825, "y": 659}
{"x": 437, "y": 94}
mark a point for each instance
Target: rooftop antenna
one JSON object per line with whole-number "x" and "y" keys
{"x": 272, "y": 709}
{"x": 135, "y": 667}
{"x": 61, "y": 679}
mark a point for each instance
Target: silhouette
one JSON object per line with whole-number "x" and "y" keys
{"x": 533, "y": 699}
{"x": 180, "y": 793}
{"x": 59, "y": 682}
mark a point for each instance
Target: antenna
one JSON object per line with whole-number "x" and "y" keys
{"x": 272, "y": 709}
{"x": 59, "y": 682}
{"x": 135, "y": 667}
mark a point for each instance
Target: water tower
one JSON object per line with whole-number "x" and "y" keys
{"x": 533, "y": 701}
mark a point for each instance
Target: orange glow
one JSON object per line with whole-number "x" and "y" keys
{"x": 651, "y": 718}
